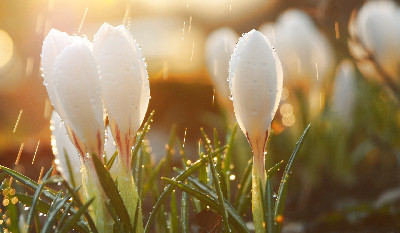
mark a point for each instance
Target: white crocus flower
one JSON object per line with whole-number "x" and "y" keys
{"x": 378, "y": 29}
{"x": 255, "y": 80}
{"x": 303, "y": 50}
{"x": 71, "y": 78}
{"x": 62, "y": 148}
{"x": 219, "y": 48}
{"x": 126, "y": 93}
{"x": 344, "y": 92}
{"x": 71, "y": 75}
{"x": 124, "y": 83}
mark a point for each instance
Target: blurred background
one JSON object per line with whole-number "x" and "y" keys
{"x": 347, "y": 176}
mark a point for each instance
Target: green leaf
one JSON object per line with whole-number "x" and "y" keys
{"x": 70, "y": 171}
{"x": 153, "y": 175}
{"x": 41, "y": 206}
{"x": 169, "y": 151}
{"x": 272, "y": 171}
{"x": 45, "y": 207}
{"x": 78, "y": 203}
{"x": 185, "y": 213}
{"x": 174, "y": 214}
{"x": 64, "y": 216}
{"x": 269, "y": 206}
{"x": 28, "y": 182}
{"x": 32, "y": 210}
{"x": 244, "y": 188}
{"x": 217, "y": 185}
{"x": 228, "y": 155}
{"x": 206, "y": 140}
{"x": 182, "y": 176}
{"x": 210, "y": 199}
{"x": 112, "y": 192}
{"x": 53, "y": 212}
{"x": 111, "y": 161}
{"x": 73, "y": 220}
{"x": 140, "y": 175}
{"x": 234, "y": 216}
{"x": 280, "y": 201}
{"x": 139, "y": 139}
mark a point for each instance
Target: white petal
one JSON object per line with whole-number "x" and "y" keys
{"x": 60, "y": 142}
{"x": 77, "y": 85}
{"x": 219, "y": 48}
{"x": 124, "y": 79}
{"x": 255, "y": 75}
{"x": 53, "y": 45}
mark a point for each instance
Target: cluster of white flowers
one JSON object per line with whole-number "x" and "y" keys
{"x": 80, "y": 76}
{"x": 85, "y": 82}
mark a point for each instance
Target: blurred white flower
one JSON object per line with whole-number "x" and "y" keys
{"x": 61, "y": 143}
{"x": 124, "y": 83}
{"x": 255, "y": 80}
{"x": 377, "y": 26}
{"x": 302, "y": 48}
{"x": 72, "y": 82}
{"x": 219, "y": 48}
{"x": 344, "y": 92}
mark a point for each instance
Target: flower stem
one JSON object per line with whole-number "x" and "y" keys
{"x": 92, "y": 188}
{"x": 258, "y": 185}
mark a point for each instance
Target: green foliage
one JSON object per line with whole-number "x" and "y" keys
{"x": 205, "y": 182}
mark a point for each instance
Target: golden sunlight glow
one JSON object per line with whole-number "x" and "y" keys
{"x": 6, "y": 48}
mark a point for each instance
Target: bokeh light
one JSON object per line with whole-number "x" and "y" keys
{"x": 6, "y": 48}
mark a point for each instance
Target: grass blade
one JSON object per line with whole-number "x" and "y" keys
{"x": 77, "y": 202}
{"x": 280, "y": 201}
{"x": 28, "y": 182}
{"x": 185, "y": 213}
{"x": 210, "y": 199}
{"x": 182, "y": 176}
{"x": 244, "y": 187}
{"x": 53, "y": 212}
{"x": 139, "y": 139}
{"x": 44, "y": 207}
{"x": 64, "y": 216}
{"x": 70, "y": 171}
{"x": 169, "y": 151}
{"x": 72, "y": 221}
{"x": 32, "y": 210}
{"x": 111, "y": 161}
{"x": 269, "y": 207}
{"x": 217, "y": 185}
{"x": 228, "y": 155}
{"x": 174, "y": 214}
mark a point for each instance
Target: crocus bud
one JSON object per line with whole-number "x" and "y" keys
{"x": 71, "y": 76}
{"x": 255, "y": 80}
{"x": 378, "y": 29}
{"x": 62, "y": 149}
{"x": 344, "y": 92}
{"x": 124, "y": 84}
{"x": 219, "y": 48}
